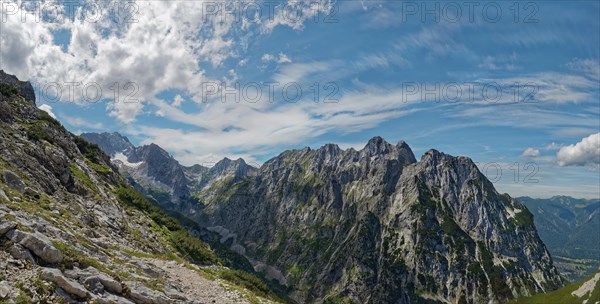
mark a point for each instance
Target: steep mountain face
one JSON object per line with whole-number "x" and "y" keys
{"x": 376, "y": 226}
{"x": 150, "y": 167}
{"x": 156, "y": 173}
{"x": 569, "y": 227}
{"x": 110, "y": 143}
{"x": 72, "y": 231}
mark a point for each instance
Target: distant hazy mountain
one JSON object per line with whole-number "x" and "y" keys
{"x": 369, "y": 226}
{"x": 570, "y": 228}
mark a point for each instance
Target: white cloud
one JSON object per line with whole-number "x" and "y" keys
{"x": 267, "y": 57}
{"x": 585, "y": 152}
{"x": 589, "y": 67}
{"x": 167, "y": 47}
{"x": 553, "y": 146}
{"x": 531, "y": 152}
{"x": 283, "y": 58}
{"x": 177, "y": 101}
{"x": 81, "y": 123}
{"x": 48, "y": 109}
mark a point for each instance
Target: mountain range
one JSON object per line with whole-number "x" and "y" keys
{"x": 368, "y": 226}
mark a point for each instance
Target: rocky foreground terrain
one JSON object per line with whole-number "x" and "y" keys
{"x": 72, "y": 230}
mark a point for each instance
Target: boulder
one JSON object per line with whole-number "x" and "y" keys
{"x": 70, "y": 286}
{"x": 93, "y": 283}
{"x": 21, "y": 253}
{"x": 91, "y": 277}
{"x": 98, "y": 283}
{"x": 7, "y": 291}
{"x": 109, "y": 283}
{"x": 13, "y": 181}
{"x": 144, "y": 295}
{"x": 175, "y": 294}
{"x": 38, "y": 243}
{"x": 6, "y": 226}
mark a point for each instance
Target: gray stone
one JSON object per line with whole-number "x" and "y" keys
{"x": 175, "y": 294}
{"x": 38, "y": 243}
{"x": 6, "y": 227}
{"x": 6, "y": 291}
{"x": 13, "y": 181}
{"x": 110, "y": 284}
{"x": 31, "y": 192}
{"x": 93, "y": 283}
{"x": 110, "y": 299}
{"x": 21, "y": 253}
{"x": 144, "y": 295}
{"x": 70, "y": 286}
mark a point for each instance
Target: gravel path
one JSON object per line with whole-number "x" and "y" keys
{"x": 197, "y": 288}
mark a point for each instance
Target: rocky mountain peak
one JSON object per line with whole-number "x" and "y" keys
{"x": 376, "y": 146}
{"x": 110, "y": 143}
{"x": 227, "y": 166}
{"x": 24, "y": 88}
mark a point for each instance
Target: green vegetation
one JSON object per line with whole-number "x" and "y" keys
{"x": 72, "y": 256}
{"x": 99, "y": 168}
{"x": 495, "y": 273}
{"x": 187, "y": 245}
{"x": 82, "y": 177}
{"x": 524, "y": 218}
{"x": 246, "y": 280}
{"x": 37, "y": 131}
{"x": 563, "y": 295}
{"x": 44, "y": 116}
{"x": 91, "y": 152}
{"x": 8, "y": 90}
{"x": 23, "y": 298}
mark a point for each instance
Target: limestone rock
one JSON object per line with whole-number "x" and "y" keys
{"x": 21, "y": 253}
{"x": 70, "y": 286}
{"x": 39, "y": 244}
{"x": 13, "y": 181}
{"x": 141, "y": 294}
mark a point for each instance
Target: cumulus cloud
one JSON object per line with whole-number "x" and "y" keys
{"x": 48, "y": 109}
{"x": 531, "y": 152}
{"x": 167, "y": 46}
{"x": 585, "y": 152}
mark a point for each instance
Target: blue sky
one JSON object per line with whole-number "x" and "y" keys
{"x": 528, "y": 78}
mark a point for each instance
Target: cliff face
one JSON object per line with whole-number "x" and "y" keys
{"x": 376, "y": 226}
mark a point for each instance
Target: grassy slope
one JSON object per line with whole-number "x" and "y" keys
{"x": 563, "y": 295}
